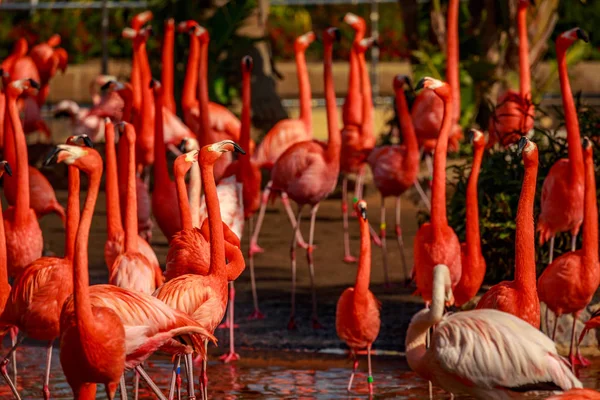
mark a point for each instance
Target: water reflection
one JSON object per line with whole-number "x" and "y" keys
{"x": 260, "y": 376}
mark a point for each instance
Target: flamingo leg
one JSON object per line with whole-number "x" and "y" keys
{"x": 358, "y": 188}
{"x": 573, "y": 329}
{"x": 348, "y": 258}
{"x": 11, "y": 352}
{"x": 256, "y": 314}
{"x": 136, "y": 384}
{"x": 46, "y": 390}
{"x": 547, "y": 318}
{"x": 14, "y": 332}
{"x": 401, "y": 240}
{"x": 12, "y": 386}
{"x": 555, "y": 326}
{"x": 203, "y": 374}
{"x": 111, "y": 389}
{"x": 429, "y": 163}
{"x": 189, "y": 367}
{"x": 354, "y": 367}
{"x": 421, "y": 192}
{"x": 232, "y": 355}
{"x": 175, "y": 375}
{"x": 140, "y": 370}
{"x": 292, "y": 322}
{"x": 228, "y": 318}
{"x": 288, "y": 209}
{"x": 578, "y": 358}
{"x": 573, "y": 242}
{"x": 254, "y": 247}
{"x": 551, "y": 255}
{"x": 311, "y": 266}
{"x": 382, "y": 235}
{"x": 370, "y": 377}
{"x": 123, "y": 388}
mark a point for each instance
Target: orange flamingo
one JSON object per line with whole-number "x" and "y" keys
{"x": 203, "y": 297}
{"x": 307, "y": 172}
{"x": 357, "y": 319}
{"x": 520, "y": 297}
{"x": 565, "y": 180}
{"x": 569, "y": 283}
{"x": 167, "y": 65}
{"x": 395, "y": 170}
{"x": 352, "y": 108}
{"x": 24, "y": 242}
{"x": 472, "y": 261}
{"x": 48, "y": 58}
{"x": 514, "y": 113}
{"x": 284, "y": 134}
{"x": 436, "y": 242}
{"x": 131, "y": 269}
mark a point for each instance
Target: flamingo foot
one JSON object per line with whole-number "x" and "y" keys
{"x": 225, "y": 325}
{"x": 349, "y": 259}
{"x": 256, "y": 314}
{"x": 581, "y": 360}
{"x": 228, "y": 357}
{"x": 46, "y": 392}
{"x": 255, "y": 248}
{"x": 304, "y": 245}
{"x": 316, "y": 324}
{"x": 292, "y": 324}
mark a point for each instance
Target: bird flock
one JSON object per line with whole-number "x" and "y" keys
{"x": 492, "y": 352}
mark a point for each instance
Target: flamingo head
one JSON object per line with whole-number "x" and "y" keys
{"x": 587, "y": 145}
{"x": 303, "y": 41}
{"x": 139, "y": 20}
{"x": 184, "y": 162}
{"x": 126, "y": 130}
{"x": 170, "y": 24}
{"x": 528, "y": 150}
{"x": 5, "y": 168}
{"x": 111, "y": 86}
{"x": 361, "y": 209}
{"x": 566, "y": 39}
{"x": 188, "y": 144}
{"x": 476, "y": 138}
{"x": 331, "y": 35}
{"x": 363, "y": 45}
{"x": 191, "y": 27}
{"x": 209, "y": 154}
{"x": 80, "y": 140}
{"x": 23, "y": 86}
{"x": 68, "y": 154}
{"x": 442, "y": 89}
{"x": 401, "y": 80}
{"x": 357, "y": 23}
{"x": 247, "y": 64}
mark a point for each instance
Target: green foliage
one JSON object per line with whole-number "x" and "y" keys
{"x": 581, "y": 13}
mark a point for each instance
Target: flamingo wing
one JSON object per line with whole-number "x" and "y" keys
{"x": 493, "y": 349}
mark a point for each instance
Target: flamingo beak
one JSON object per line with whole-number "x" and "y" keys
{"x": 87, "y": 141}
{"x": 522, "y": 144}
{"x": 51, "y": 156}
{"x": 238, "y": 149}
{"x": 182, "y": 145}
{"x": 586, "y": 142}
{"x": 7, "y": 168}
{"x": 583, "y": 35}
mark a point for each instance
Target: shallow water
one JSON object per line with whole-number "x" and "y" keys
{"x": 276, "y": 375}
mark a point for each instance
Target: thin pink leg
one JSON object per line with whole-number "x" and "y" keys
{"x": 228, "y": 318}
{"x": 175, "y": 377}
{"x": 136, "y": 384}
{"x": 14, "y": 332}
{"x": 292, "y": 322}
{"x": 4, "y": 363}
{"x": 288, "y": 209}
{"x": 189, "y": 367}
{"x": 203, "y": 375}
{"x": 572, "y": 357}
{"x": 311, "y": 266}
{"x": 157, "y": 392}
{"x": 370, "y": 377}
{"x": 551, "y": 255}
{"x": 429, "y": 163}
{"x": 382, "y": 228}
{"x": 123, "y": 388}
{"x": 374, "y": 236}
{"x": 573, "y": 242}
{"x": 46, "y": 390}
{"x": 556, "y": 316}
{"x": 254, "y": 247}
{"x": 256, "y": 314}
{"x": 354, "y": 367}
{"x": 358, "y": 188}
{"x": 580, "y": 360}
{"x": 348, "y": 258}
{"x": 232, "y": 355}
{"x": 401, "y": 240}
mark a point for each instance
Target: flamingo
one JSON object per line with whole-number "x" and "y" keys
{"x": 520, "y": 297}
{"x": 204, "y": 297}
{"x": 352, "y": 108}
{"x": 357, "y": 143}
{"x": 436, "y": 242}
{"x": 39, "y": 291}
{"x": 565, "y": 180}
{"x": 472, "y": 261}
{"x": 168, "y": 64}
{"x": 132, "y": 269}
{"x": 488, "y": 354}
{"x": 357, "y": 319}
{"x": 24, "y": 242}
{"x": 150, "y": 324}
{"x": 569, "y": 283}
{"x": 514, "y": 112}
{"x": 284, "y": 134}
{"x": 307, "y": 172}
{"x": 577, "y": 394}
{"x": 395, "y": 170}
{"x": 48, "y": 58}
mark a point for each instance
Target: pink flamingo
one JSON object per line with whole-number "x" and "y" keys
{"x": 167, "y": 64}
{"x": 487, "y": 354}
{"x": 564, "y": 182}
{"x": 357, "y": 318}
{"x": 48, "y": 58}
{"x": 395, "y": 170}
{"x": 569, "y": 283}
{"x": 353, "y": 109}
{"x": 307, "y": 172}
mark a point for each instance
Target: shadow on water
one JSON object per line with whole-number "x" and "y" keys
{"x": 258, "y": 375}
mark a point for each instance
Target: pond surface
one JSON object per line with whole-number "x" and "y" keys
{"x": 276, "y": 375}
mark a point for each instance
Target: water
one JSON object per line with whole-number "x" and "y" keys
{"x": 275, "y": 375}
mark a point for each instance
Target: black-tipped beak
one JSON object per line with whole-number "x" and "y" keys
{"x": 363, "y": 213}
{"x": 105, "y": 87}
{"x": 471, "y": 135}
{"x": 153, "y": 83}
{"x": 337, "y": 35}
{"x": 583, "y": 35}
{"x": 34, "y": 84}
{"x": 7, "y": 169}
{"x": 248, "y": 62}
{"x": 87, "y": 141}
{"x": 238, "y": 149}
{"x": 586, "y": 142}
{"x": 522, "y": 142}
{"x": 420, "y": 85}
{"x": 182, "y": 145}
{"x": 51, "y": 156}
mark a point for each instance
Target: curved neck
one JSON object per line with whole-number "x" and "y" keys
{"x": 167, "y": 66}
{"x": 136, "y": 80}
{"x": 113, "y": 207}
{"x": 203, "y": 97}
{"x": 363, "y": 275}
{"x": 182, "y": 197}
{"x": 334, "y": 135}
{"x": 83, "y": 307}
{"x": 304, "y": 89}
{"x": 367, "y": 133}
{"x": 353, "y": 78}
{"x": 189, "y": 95}
{"x": 409, "y": 137}
{"x": 453, "y": 58}
{"x": 161, "y": 171}
{"x": 245, "y": 120}
{"x": 145, "y": 126}
{"x": 127, "y": 97}
{"x": 590, "y": 215}
{"x": 72, "y": 213}
{"x": 472, "y": 224}
{"x": 525, "y": 236}
{"x": 571, "y": 121}
{"x": 217, "y": 249}
{"x": 524, "y": 72}
{"x": 10, "y": 153}
{"x": 22, "y": 201}
{"x": 438, "y": 195}
{"x": 131, "y": 228}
